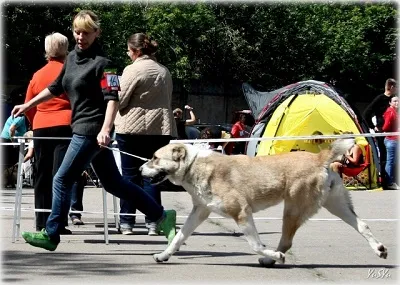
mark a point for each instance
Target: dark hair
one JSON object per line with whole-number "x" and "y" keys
{"x": 211, "y": 133}
{"x": 390, "y": 82}
{"x": 142, "y": 42}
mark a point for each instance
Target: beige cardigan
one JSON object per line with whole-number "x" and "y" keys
{"x": 145, "y": 99}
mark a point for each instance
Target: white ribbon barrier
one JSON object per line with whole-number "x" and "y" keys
{"x": 185, "y": 217}
{"x": 288, "y": 138}
{"x": 18, "y": 193}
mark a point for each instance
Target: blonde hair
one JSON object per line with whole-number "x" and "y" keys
{"x": 56, "y": 46}
{"x": 86, "y": 20}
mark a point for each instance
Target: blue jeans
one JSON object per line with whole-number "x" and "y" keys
{"x": 77, "y": 197}
{"x": 391, "y": 158}
{"x": 84, "y": 150}
{"x": 143, "y": 146}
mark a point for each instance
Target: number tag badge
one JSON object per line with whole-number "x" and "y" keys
{"x": 110, "y": 81}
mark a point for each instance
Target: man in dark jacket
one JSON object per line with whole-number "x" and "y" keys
{"x": 376, "y": 109}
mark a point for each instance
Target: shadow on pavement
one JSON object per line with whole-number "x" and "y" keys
{"x": 308, "y": 266}
{"x": 235, "y": 234}
{"x": 124, "y": 241}
{"x": 27, "y": 264}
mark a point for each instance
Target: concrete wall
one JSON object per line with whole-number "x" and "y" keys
{"x": 216, "y": 104}
{"x": 211, "y": 104}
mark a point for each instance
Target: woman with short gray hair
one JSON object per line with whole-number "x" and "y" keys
{"x": 51, "y": 119}
{"x": 56, "y": 46}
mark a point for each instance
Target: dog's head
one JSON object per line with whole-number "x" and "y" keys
{"x": 169, "y": 162}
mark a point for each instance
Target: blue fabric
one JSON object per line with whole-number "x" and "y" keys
{"x": 391, "y": 155}
{"x": 20, "y": 124}
{"x": 81, "y": 151}
{"x": 77, "y": 197}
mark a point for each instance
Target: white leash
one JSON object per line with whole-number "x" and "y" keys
{"x": 120, "y": 151}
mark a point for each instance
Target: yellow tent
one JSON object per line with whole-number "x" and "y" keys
{"x": 304, "y": 114}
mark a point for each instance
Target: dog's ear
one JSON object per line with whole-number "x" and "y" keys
{"x": 178, "y": 153}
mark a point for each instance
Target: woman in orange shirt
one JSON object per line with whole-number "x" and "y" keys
{"x": 51, "y": 119}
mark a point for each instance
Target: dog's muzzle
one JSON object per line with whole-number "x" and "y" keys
{"x": 154, "y": 175}
{"x": 158, "y": 178}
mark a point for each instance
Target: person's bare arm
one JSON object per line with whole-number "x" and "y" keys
{"x": 192, "y": 119}
{"x": 29, "y": 154}
{"x": 355, "y": 158}
{"x": 12, "y": 130}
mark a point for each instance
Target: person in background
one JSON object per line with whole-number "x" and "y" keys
{"x": 181, "y": 123}
{"x": 217, "y": 132}
{"x": 144, "y": 122}
{"x": 14, "y": 126}
{"x": 239, "y": 131}
{"x": 30, "y": 152}
{"x": 376, "y": 109}
{"x": 93, "y": 93}
{"x": 352, "y": 158}
{"x": 50, "y": 119}
{"x": 27, "y": 164}
{"x": 391, "y": 119}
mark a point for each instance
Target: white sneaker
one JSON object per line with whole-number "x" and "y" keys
{"x": 152, "y": 232}
{"x": 152, "y": 229}
{"x": 393, "y": 186}
{"x": 126, "y": 231}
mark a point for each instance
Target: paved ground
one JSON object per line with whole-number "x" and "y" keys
{"x": 324, "y": 250}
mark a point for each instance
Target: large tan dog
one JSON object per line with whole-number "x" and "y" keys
{"x": 238, "y": 186}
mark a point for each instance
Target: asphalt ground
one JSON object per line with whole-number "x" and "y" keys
{"x": 324, "y": 249}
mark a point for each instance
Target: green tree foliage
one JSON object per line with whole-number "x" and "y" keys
{"x": 182, "y": 30}
{"x": 25, "y": 26}
{"x": 266, "y": 44}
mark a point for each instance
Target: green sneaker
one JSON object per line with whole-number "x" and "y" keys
{"x": 168, "y": 225}
{"x": 40, "y": 239}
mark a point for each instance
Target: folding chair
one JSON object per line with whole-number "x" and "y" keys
{"x": 354, "y": 173}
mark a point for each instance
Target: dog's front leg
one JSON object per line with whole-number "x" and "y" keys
{"x": 198, "y": 215}
{"x": 246, "y": 224}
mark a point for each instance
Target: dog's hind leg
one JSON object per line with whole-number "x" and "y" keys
{"x": 340, "y": 205}
{"x": 198, "y": 215}
{"x": 245, "y": 222}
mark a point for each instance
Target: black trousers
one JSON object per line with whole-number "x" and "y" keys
{"x": 10, "y": 153}
{"x": 49, "y": 153}
{"x": 382, "y": 159}
{"x": 9, "y": 158}
{"x": 143, "y": 146}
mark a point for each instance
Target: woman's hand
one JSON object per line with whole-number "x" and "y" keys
{"x": 103, "y": 138}
{"x": 19, "y": 109}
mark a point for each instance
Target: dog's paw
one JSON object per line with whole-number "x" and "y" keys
{"x": 281, "y": 258}
{"x": 158, "y": 257}
{"x": 381, "y": 251}
{"x": 266, "y": 262}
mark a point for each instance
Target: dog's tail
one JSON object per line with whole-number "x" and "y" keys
{"x": 338, "y": 149}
